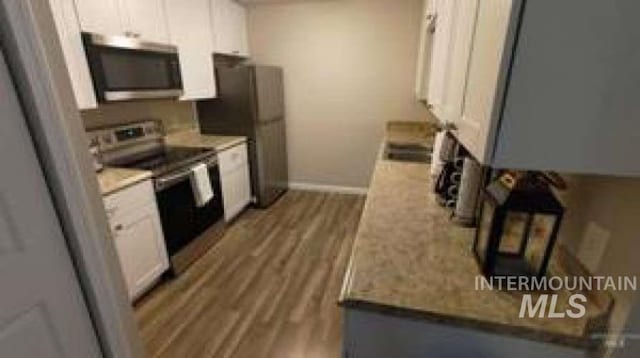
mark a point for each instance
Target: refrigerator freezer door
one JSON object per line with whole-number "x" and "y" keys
{"x": 269, "y": 93}
{"x": 232, "y": 113}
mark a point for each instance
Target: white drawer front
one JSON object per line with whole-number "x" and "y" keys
{"x": 233, "y": 158}
{"x": 137, "y": 195}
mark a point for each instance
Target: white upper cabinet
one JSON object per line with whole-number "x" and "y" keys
{"x": 464, "y": 21}
{"x": 548, "y": 85}
{"x": 147, "y": 19}
{"x": 186, "y": 18}
{"x": 476, "y": 127}
{"x": 241, "y": 38}
{"x": 144, "y": 19}
{"x": 100, "y": 16}
{"x": 230, "y": 28}
{"x": 68, "y": 28}
{"x": 424, "y": 50}
{"x": 453, "y": 27}
{"x": 442, "y": 38}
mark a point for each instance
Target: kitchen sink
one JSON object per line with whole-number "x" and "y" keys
{"x": 416, "y": 153}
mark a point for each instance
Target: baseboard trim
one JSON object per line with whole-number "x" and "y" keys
{"x": 328, "y": 188}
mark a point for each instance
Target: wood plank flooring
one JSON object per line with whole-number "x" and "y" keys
{"x": 267, "y": 289}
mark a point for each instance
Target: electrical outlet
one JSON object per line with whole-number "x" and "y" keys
{"x": 593, "y": 246}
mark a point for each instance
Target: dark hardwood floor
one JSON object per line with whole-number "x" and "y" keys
{"x": 268, "y": 289}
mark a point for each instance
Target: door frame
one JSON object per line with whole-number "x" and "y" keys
{"x": 30, "y": 44}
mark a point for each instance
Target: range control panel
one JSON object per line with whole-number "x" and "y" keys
{"x": 121, "y": 136}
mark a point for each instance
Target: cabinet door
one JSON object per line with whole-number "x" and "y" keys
{"x": 235, "y": 180}
{"x": 444, "y": 11}
{"x": 146, "y": 19}
{"x": 236, "y": 191}
{"x": 186, "y": 18}
{"x": 464, "y": 21}
{"x": 229, "y": 24}
{"x": 424, "y": 51}
{"x": 240, "y": 40}
{"x": 480, "y": 110}
{"x": 140, "y": 246}
{"x": 68, "y": 28}
{"x": 244, "y": 182}
{"x": 221, "y": 18}
{"x": 230, "y": 193}
{"x": 100, "y": 16}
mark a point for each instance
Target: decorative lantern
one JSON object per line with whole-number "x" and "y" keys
{"x": 519, "y": 223}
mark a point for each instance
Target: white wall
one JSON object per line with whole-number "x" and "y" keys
{"x": 349, "y": 67}
{"x": 602, "y": 228}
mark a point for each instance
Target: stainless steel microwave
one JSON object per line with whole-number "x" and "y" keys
{"x": 125, "y": 68}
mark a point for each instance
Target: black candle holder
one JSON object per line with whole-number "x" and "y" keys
{"x": 518, "y": 227}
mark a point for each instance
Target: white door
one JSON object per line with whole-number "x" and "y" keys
{"x": 42, "y": 310}
{"x": 187, "y": 18}
{"x": 146, "y": 19}
{"x": 100, "y": 16}
{"x": 485, "y": 64}
{"x": 140, "y": 246}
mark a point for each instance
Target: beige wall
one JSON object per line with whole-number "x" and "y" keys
{"x": 349, "y": 66}
{"x": 175, "y": 115}
{"x": 602, "y": 228}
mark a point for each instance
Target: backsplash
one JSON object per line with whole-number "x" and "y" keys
{"x": 175, "y": 115}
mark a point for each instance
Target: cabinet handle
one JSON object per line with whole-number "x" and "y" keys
{"x": 448, "y": 126}
{"x": 432, "y": 18}
{"x": 118, "y": 227}
{"x": 131, "y": 34}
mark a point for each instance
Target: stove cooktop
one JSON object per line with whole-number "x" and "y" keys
{"x": 171, "y": 158}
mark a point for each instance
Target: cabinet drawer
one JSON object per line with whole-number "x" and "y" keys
{"x": 137, "y": 195}
{"x": 233, "y": 158}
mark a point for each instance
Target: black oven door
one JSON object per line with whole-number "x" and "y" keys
{"x": 183, "y": 221}
{"x": 123, "y": 68}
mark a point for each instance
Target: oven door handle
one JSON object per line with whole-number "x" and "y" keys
{"x": 170, "y": 179}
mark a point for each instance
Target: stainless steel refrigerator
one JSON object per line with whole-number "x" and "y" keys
{"x": 250, "y": 103}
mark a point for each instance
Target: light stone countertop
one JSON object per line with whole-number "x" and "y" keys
{"x": 193, "y": 138}
{"x": 410, "y": 259}
{"x": 112, "y": 179}
{"x": 410, "y": 132}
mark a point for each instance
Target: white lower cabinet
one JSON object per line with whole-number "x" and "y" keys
{"x": 235, "y": 180}
{"x": 137, "y": 232}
